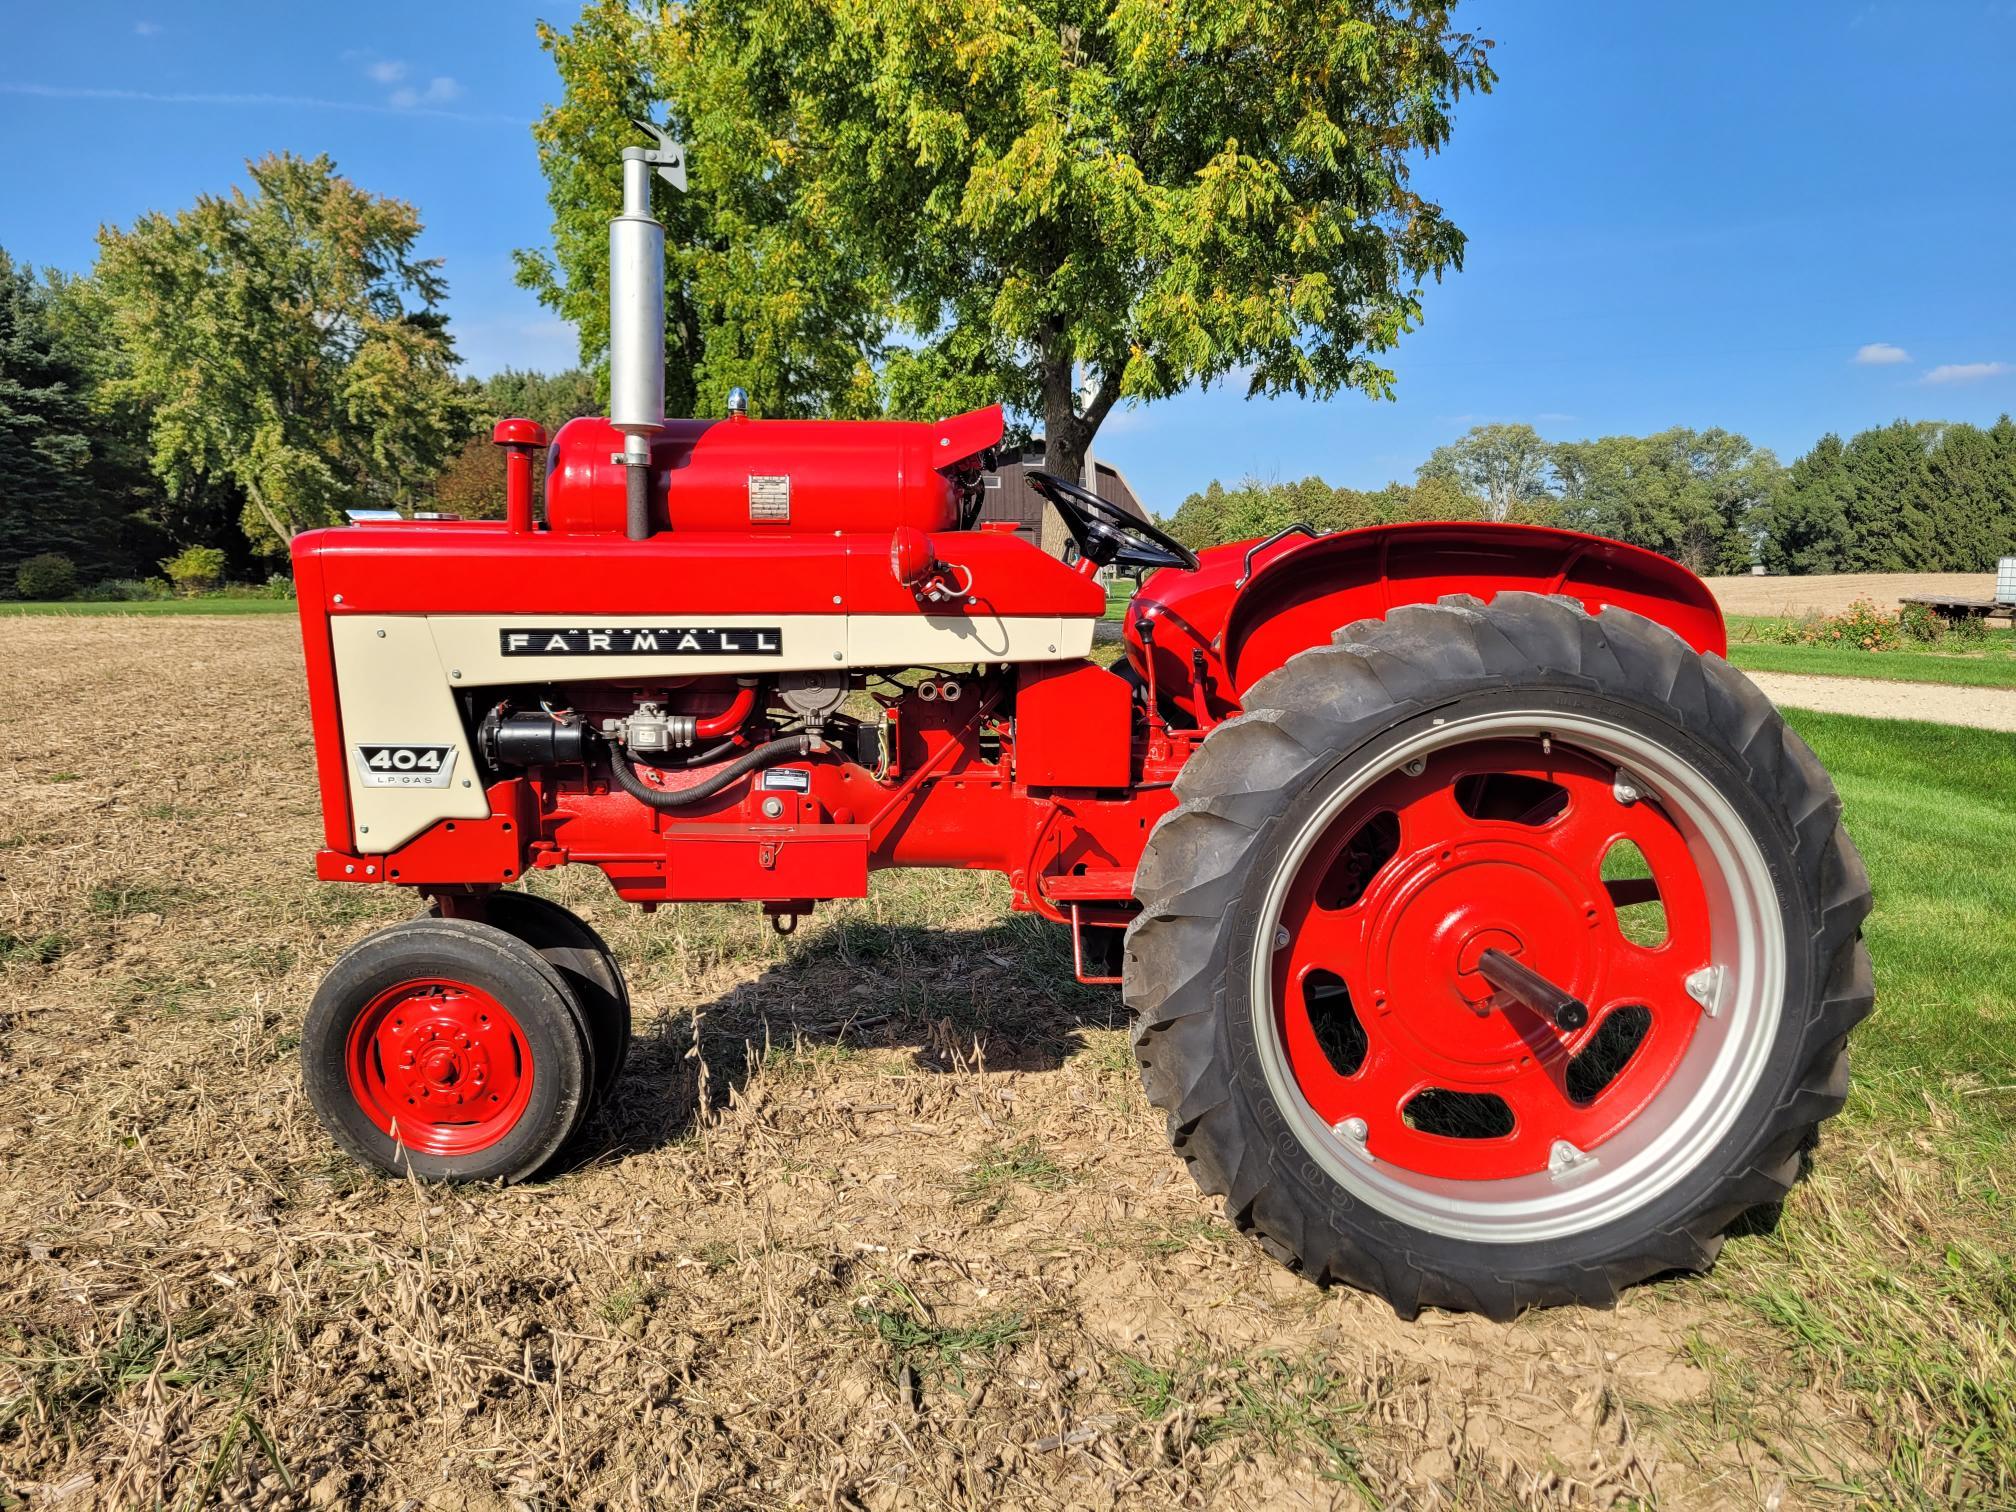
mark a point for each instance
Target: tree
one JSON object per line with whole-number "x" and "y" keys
{"x": 748, "y": 303}
{"x": 53, "y": 493}
{"x": 1505, "y": 468}
{"x": 1695, "y": 496}
{"x": 472, "y": 485}
{"x": 1964, "y": 512}
{"x": 1806, "y": 522}
{"x": 1057, "y": 206}
{"x": 1218, "y": 515}
{"x": 289, "y": 340}
{"x": 1889, "y": 486}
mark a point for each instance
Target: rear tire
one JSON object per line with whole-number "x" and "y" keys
{"x": 1309, "y": 1010}
{"x": 449, "y": 1049}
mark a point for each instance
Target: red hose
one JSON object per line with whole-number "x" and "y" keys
{"x": 728, "y": 719}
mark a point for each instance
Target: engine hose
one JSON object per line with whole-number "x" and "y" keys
{"x": 790, "y": 748}
{"x": 688, "y": 760}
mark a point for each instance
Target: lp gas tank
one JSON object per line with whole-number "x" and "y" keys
{"x": 746, "y": 476}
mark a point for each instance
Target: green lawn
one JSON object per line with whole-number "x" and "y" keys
{"x": 1989, "y": 663}
{"x": 154, "y": 606}
{"x": 1890, "y": 1275}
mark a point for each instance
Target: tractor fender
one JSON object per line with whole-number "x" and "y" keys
{"x": 1254, "y": 604}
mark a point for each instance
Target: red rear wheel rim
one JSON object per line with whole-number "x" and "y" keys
{"x": 1497, "y": 843}
{"x": 439, "y": 1065}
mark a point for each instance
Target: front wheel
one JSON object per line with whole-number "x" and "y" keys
{"x": 449, "y": 1049}
{"x": 1499, "y": 955}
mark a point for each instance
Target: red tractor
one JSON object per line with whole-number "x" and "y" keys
{"x": 1491, "y": 943}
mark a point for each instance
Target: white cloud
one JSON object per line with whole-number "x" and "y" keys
{"x": 1967, "y": 372}
{"x": 386, "y": 71}
{"x": 146, "y": 28}
{"x": 439, "y": 91}
{"x": 1881, "y": 354}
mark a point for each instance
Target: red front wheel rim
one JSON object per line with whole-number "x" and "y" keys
{"x": 440, "y": 1066}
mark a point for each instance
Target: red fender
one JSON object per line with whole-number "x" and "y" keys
{"x": 1253, "y": 605}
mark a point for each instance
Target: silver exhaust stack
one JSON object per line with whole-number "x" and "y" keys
{"x": 637, "y": 318}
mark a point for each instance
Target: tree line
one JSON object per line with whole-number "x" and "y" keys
{"x": 224, "y": 377}
{"x": 891, "y": 212}
{"x": 1911, "y": 496}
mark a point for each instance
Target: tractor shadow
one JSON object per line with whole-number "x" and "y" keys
{"x": 997, "y": 999}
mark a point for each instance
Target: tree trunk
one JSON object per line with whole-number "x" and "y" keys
{"x": 1067, "y": 434}
{"x": 272, "y": 522}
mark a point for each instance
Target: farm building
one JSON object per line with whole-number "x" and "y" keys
{"x": 1009, "y": 497}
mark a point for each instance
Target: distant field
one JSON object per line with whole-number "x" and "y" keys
{"x": 154, "y": 606}
{"x": 1831, "y": 593}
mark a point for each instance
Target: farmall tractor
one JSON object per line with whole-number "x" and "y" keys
{"x": 1490, "y": 942}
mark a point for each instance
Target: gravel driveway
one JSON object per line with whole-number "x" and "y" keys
{"x": 1982, "y": 708}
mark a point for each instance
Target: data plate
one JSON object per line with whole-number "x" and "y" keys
{"x": 769, "y": 499}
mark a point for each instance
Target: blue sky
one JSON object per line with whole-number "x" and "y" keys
{"x": 1690, "y": 213}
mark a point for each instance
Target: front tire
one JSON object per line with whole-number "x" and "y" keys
{"x": 449, "y": 1049}
{"x": 1310, "y": 981}
{"x": 573, "y": 947}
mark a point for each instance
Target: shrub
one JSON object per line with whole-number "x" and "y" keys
{"x": 1921, "y": 622}
{"x": 1863, "y": 627}
{"x": 195, "y": 569}
{"x": 1968, "y": 627}
{"x": 127, "y": 590}
{"x": 47, "y": 576}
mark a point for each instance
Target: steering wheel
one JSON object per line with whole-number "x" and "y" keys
{"x": 1105, "y": 533}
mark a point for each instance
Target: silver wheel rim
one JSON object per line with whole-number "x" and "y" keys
{"x": 1700, "y": 1102}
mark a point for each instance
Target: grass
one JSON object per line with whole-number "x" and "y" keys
{"x": 993, "y": 1179}
{"x": 1986, "y": 663}
{"x": 1889, "y": 1276}
{"x": 148, "y": 606}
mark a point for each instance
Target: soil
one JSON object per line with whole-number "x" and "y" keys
{"x": 877, "y": 1219}
{"x": 1831, "y": 594}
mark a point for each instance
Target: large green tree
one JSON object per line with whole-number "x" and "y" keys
{"x": 1061, "y": 204}
{"x": 1805, "y": 523}
{"x": 751, "y": 301}
{"x": 1890, "y": 523}
{"x": 1695, "y": 496}
{"x": 1217, "y": 514}
{"x": 1507, "y": 469}
{"x": 288, "y": 339}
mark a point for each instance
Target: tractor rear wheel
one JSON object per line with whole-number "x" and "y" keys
{"x": 1498, "y": 956}
{"x": 585, "y": 962}
{"x": 447, "y": 1048}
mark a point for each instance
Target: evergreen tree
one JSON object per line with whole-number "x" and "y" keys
{"x": 1890, "y": 526}
{"x": 1806, "y": 521}
{"x": 52, "y": 497}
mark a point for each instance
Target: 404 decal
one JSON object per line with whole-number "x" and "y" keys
{"x": 409, "y": 766}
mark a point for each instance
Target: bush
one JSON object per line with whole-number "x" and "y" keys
{"x": 1921, "y": 622}
{"x": 278, "y": 586}
{"x": 127, "y": 591}
{"x": 1863, "y": 627}
{"x": 1968, "y": 627}
{"x": 195, "y": 569}
{"x": 47, "y": 576}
